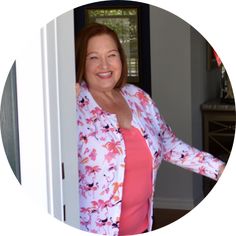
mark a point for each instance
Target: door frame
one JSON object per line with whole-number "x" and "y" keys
{"x": 47, "y": 120}
{"x": 143, "y": 34}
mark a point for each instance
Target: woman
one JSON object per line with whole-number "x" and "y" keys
{"x": 122, "y": 140}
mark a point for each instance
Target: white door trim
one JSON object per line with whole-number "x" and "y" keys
{"x": 60, "y": 113}
{"x": 47, "y": 91}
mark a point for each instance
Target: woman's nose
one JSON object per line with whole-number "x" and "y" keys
{"x": 104, "y": 63}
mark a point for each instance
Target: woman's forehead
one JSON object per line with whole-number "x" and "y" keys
{"x": 101, "y": 41}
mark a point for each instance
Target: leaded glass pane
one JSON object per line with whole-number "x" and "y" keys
{"x": 125, "y": 22}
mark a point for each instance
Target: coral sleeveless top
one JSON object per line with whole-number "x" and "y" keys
{"x": 137, "y": 187}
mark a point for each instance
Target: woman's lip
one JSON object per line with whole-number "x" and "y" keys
{"x": 104, "y": 75}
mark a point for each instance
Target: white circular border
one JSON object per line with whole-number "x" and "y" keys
{"x": 213, "y": 19}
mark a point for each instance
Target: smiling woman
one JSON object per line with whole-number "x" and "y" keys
{"x": 122, "y": 140}
{"x": 121, "y": 136}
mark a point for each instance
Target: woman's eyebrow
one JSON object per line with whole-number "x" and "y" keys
{"x": 91, "y": 53}
{"x": 113, "y": 50}
{"x": 94, "y": 52}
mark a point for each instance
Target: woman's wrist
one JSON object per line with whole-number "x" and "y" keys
{"x": 221, "y": 170}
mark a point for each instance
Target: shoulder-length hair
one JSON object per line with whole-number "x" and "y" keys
{"x": 81, "y": 45}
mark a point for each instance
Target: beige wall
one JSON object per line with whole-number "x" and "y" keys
{"x": 178, "y": 87}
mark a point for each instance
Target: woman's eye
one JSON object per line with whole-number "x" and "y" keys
{"x": 93, "y": 58}
{"x": 113, "y": 55}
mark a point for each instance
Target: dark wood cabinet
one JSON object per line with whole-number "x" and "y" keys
{"x": 218, "y": 133}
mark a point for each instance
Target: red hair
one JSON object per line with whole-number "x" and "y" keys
{"x": 81, "y": 45}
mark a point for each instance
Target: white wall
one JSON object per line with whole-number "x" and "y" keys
{"x": 31, "y": 121}
{"x": 179, "y": 86}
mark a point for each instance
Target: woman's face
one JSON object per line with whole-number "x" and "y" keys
{"x": 103, "y": 64}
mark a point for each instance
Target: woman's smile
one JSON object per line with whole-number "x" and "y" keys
{"x": 105, "y": 75}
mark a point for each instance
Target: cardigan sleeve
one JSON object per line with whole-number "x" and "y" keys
{"x": 181, "y": 154}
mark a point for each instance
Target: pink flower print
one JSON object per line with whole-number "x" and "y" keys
{"x": 86, "y": 221}
{"x": 157, "y": 160}
{"x": 107, "y": 128}
{"x": 95, "y": 204}
{"x": 93, "y": 154}
{"x": 101, "y": 204}
{"x": 100, "y": 224}
{"x": 113, "y": 148}
{"x": 142, "y": 97}
{"x": 80, "y": 123}
{"x": 164, "y": 128}
{"x": 83, "y": 138}
{"x": 87, "y": 188}
{"x": 157, "y": 114}
{"x": 92, "y": 169}
{"x": 86, "y": 151}
{"x": 200, "y": 157}
{"x": 184, "y": 158}
{"x": 85, "y": 210}
{"x": 81, "y": 176}
{"x": 202, "y": 170}
{"x": 93, "y": 134}
{"x": 90, "y": 120}
{"x": 106, "y": 191}
{"x": 167, "y": 156}
{"x": 83, "y": 102}
{"x": 116, "y": 198}
{"x": 97, "y": 111}
{"x": 103, "y": 222}
{"x": 139, "y": 110}
{"x": 148, "y": 120}
{"x": 109, "y": 156}
{"x": 110, "y": 175}
{"x": 84, "y": 161}
{"x": 116, "y": 187}
{"x": 92, "y": 187}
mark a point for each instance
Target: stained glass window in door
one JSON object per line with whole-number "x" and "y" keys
{"x": 125, "y": 22}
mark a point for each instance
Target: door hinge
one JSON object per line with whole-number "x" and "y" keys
{"x": 62, "y": 170}
{"x": 64, "y": 212}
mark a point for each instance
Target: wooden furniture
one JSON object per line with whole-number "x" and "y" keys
{"x": 218, "y": 133}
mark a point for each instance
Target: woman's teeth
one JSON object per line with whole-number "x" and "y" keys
{"x": 105, "y": 74}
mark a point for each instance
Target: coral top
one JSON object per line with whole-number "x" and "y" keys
{"x": 137, "y": 187}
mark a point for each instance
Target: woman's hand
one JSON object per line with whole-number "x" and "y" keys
{"x": 77, "y": 88}
{"x": 222, "y": 167}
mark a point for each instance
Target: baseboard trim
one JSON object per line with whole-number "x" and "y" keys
{"x": 175, "y": 203}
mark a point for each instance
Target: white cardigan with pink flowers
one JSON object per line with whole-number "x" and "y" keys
{"x": 101, "y": 156}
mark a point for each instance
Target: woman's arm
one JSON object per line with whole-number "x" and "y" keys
{"x": 181, "y": 154}
{"x": 222, "y": 167}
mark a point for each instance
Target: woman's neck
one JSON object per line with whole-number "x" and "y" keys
{"x": 109, "y": 96}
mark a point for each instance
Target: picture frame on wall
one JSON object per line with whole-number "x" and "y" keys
{"x": 211, "y": 60}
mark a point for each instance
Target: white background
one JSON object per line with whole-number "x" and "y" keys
{"x": 20, "y": 20}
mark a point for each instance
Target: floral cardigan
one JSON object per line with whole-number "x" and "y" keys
{"x": 101, "y": 156}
